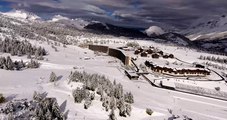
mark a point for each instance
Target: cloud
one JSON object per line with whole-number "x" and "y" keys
{"x": 142, "y": 13}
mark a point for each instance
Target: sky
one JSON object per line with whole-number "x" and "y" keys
{"x": 137, "y": 13}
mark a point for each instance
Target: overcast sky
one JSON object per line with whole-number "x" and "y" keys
{"x": 143, "y": 13}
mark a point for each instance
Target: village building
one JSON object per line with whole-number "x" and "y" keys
{"x": 143, "y": 54}
{"x": 150, "y": 51}
{"x": 137, "y": 52}
{"x": 178, "y": 72}
{"x": 171, "y": 56}
{"x": 160, "y": 52}
{"x": 155, "y": 56}
{"x": 132, "y": 75}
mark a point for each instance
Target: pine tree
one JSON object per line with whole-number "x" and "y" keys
{"x": 53, "y": 77}
{"x": 129, "y": 97}
{"x": 128, "y": 109}
{"x": 9, "y": 63}
{"x": 87, "y": 103}
{"x": 112, "y": 115}
{"x": 122, "y": 108}
{"x": 113, "y": 103}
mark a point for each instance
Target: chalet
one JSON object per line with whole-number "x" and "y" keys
{"x": 160, "y": 52}
{"x": 171, "y": 56}
{"x": 150, "y": 51}
{"x": 141, "y": 49}
{"x": 155, "y": 56}
{"x": 132, "y": 75}
{"x": 151, "y": 47}
{"x": 137, "y": 52}
{"x": 165, "y": 56}
{"x": 143, "y": 54}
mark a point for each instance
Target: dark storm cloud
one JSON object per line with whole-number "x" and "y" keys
{"x": 142, "y": 13}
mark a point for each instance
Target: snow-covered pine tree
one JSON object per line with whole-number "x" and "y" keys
{"x": 53, "y": 77}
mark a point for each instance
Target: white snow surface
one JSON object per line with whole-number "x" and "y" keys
{"x": 22, "y": 84}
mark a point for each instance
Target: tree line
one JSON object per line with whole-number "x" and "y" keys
{"x": 20, "y": 48}
{"x": 214, "y": 59}
{"x": 7, "y": 63}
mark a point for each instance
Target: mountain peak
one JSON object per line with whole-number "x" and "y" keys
{"x": 58, "y": 18}
{"x": 21, "y": 14}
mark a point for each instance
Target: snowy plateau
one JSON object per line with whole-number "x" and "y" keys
{"x": 58, "y": 69}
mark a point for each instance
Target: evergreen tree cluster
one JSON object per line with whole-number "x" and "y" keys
{"x": 40, "y": 108}
{"x": 214, "y": 59}
{"x": 47, "y": 109}
{"x": 111, "y": 94}
{"x": 217, "y": 66}
{"x": 8, "y": 64}
{"x": 20, "y": 48}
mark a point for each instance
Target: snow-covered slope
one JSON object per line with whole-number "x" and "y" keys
{"x": 174, "y": 38}
{"x": 21, "y": 15}
{"x": 208, "y": 28}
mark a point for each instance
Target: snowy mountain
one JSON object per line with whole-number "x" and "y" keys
{"x": 20, "y": 14}
{"x": 109, "y": 29}
{"x": 77, "y": 23}
{"x": 208, "y": 28}
{"x": 58, "y": 18}
{"x": 173, "y": 38}
{"x": 154, "y": 30}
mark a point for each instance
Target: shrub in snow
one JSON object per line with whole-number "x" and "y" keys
{"x": 217, "y": 88}
{"x": 154, "y": 30}
{"x": 149, "y": 111}
{"x": 2, "y": 98}
{"x": 53, "y": 77}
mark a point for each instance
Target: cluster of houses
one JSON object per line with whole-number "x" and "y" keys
{"x": 153, "y": 52}
{"x": 177, "y": 72}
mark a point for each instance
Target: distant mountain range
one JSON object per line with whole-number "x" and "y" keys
{"x": 103, "y": 28}
{"x": 208, "y": 28}
{"x": 208, "y": 34}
